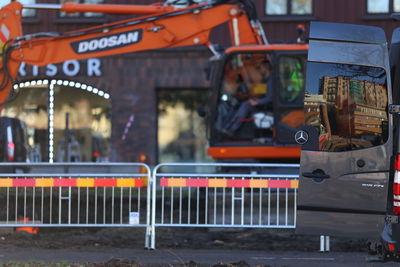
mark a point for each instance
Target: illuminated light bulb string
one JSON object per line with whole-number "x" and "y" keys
{"x": 51, "y": 84}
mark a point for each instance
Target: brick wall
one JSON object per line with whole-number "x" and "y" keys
{"x": 132, "y": 81}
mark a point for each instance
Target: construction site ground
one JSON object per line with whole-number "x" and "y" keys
{"x": 175, "y": 247}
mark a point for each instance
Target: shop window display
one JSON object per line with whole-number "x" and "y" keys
{"x": 84, "y": 136}
{"x": 181, "y": 131}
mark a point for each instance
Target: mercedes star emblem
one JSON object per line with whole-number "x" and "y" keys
{"x": 301, "y": 137}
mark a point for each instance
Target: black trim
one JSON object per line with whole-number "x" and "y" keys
{"x": 385, "y": 16}
{"x": 31, "y": 20}
{"x": 319, "y": 209}
{"x": 347, "y": 32}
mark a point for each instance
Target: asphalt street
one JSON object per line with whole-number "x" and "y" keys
{"x": 183, "y": 256}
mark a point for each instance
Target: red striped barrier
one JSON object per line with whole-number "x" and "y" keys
{"x": 73, "y": 182}
{"x": 228, "y": 183}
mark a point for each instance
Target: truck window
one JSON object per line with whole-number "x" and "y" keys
{"x": 346, "y": 105}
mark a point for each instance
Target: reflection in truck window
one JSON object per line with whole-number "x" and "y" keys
{"x": 347, "y": 106}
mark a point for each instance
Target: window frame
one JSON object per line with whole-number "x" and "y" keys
{"x": 178, "y": 92}
{"x": 289, "y": 13}
{"x": 382, "y": 15}
{"x": 31, "y": 19}
{"x": 295, "y": 55}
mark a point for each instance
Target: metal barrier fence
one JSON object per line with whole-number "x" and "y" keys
{"x": 223, "y": 195}
{"x": 74, "y": 194}
{"x": 130, "y": 195}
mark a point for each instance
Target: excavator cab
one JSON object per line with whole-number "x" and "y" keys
{"x": 349, "y": 183}
{"x": 257, "y": 102}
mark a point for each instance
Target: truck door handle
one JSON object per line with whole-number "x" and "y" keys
{"x": 316, "y": 175}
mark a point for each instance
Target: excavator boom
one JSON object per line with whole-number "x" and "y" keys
{"x": 71, "y": 7}
{"x": 10, "y": 29}
{"x": 170, "y": 27}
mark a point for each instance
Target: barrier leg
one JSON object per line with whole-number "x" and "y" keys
{"x": 147, "y": 238}
{"x": 153, "y": 238}
{"x": 150, "y": 239}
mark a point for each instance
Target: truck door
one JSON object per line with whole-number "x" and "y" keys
{"x": 346, "y": 141}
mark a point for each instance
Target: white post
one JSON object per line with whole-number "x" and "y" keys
{"x": 327, "y": 244}
{"x": 324, "y": 244}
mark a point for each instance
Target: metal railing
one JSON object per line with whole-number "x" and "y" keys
{"x": 74, "y": 194}
{"x": 226, "y": 195}
{"x": 223, "y": 195}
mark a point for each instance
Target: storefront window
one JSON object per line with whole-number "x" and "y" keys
{"x": 84, "y": 136}
{"x": 181, "y": 131}
{"x": 30, "y": 108}
{"x": 82, "y": 118}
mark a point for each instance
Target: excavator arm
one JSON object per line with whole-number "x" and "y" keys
{"x": 162, "y": 27}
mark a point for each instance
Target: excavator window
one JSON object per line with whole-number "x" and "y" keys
{"x": 246, "y": 97}
{"x": 290, "y": 83}
{"x": 291, "y": 79}
{"x": 259, "y": 93}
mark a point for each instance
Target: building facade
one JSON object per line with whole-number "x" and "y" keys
{"x": 143, "y": 106}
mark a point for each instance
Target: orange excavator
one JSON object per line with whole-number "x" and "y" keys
{"x": 255, "y": 119}
{"x": 167, "y": 25}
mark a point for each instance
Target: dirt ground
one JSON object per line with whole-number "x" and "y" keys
{"x": 189, "y": 238}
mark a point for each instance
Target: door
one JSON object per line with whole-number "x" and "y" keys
{"x": 288, "y": 94}
{"x": 347, "y": 144}
{"x": 256, "y": 105}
